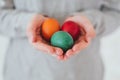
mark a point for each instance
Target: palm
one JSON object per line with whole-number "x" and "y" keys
{"x": 36, "y": 39}
{"x": 39, "y": 43}
{"x": 87, "y": 34}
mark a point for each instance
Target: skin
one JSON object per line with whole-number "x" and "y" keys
{"x": 83, "y": 41}
{"x": 33, "y": 33}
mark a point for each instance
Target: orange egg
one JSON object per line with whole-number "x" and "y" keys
{"x": 49, "y": 27}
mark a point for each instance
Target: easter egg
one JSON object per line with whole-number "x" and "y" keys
{"x": 62, "y": 40}
{"x": 49, "y": 27}
{"x": 72, "y": 28}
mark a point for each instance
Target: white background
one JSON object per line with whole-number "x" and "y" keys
{"x": 110, "y": 53}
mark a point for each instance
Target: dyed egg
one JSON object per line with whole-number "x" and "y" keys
{"x": 49, "y": 27}
{"x": 62, "y": 40}
{"x": 72, "y": 28}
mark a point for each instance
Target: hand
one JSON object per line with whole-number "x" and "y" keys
{"x": 84, "y": 40}
{"x": 35, "y": 37}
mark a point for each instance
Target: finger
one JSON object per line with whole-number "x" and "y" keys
{"x": 69, "y": 53}
{"x": 48, "y": 49}
{"x": 60, "y": 57}
{"x": 38, "y": 20}
{"x": 31, "y": 35}
{"x": 58, "y": 51}
{"x": 79, "y": 46}
{"x": 40, "y": 26}
{"x": 44, "y": 47}
{"x": 33, "y": 39}
{"x": 38, "y": 31}
{"x": 87, "y": 39}
{"x": 65, "y": 58}
{"x": 34, "y": 29}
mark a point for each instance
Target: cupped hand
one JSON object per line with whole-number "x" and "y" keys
{"x": 35, "y": 37}
{"x": 87, "y": 33}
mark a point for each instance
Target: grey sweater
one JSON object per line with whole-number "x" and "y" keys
{"x": 23, "y": 62}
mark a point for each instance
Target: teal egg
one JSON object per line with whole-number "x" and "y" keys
{"x": 62, "y": 40}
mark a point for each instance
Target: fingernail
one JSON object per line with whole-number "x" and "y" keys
{"x": 88, "y": 39}
{"x": 33, "y": 39}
